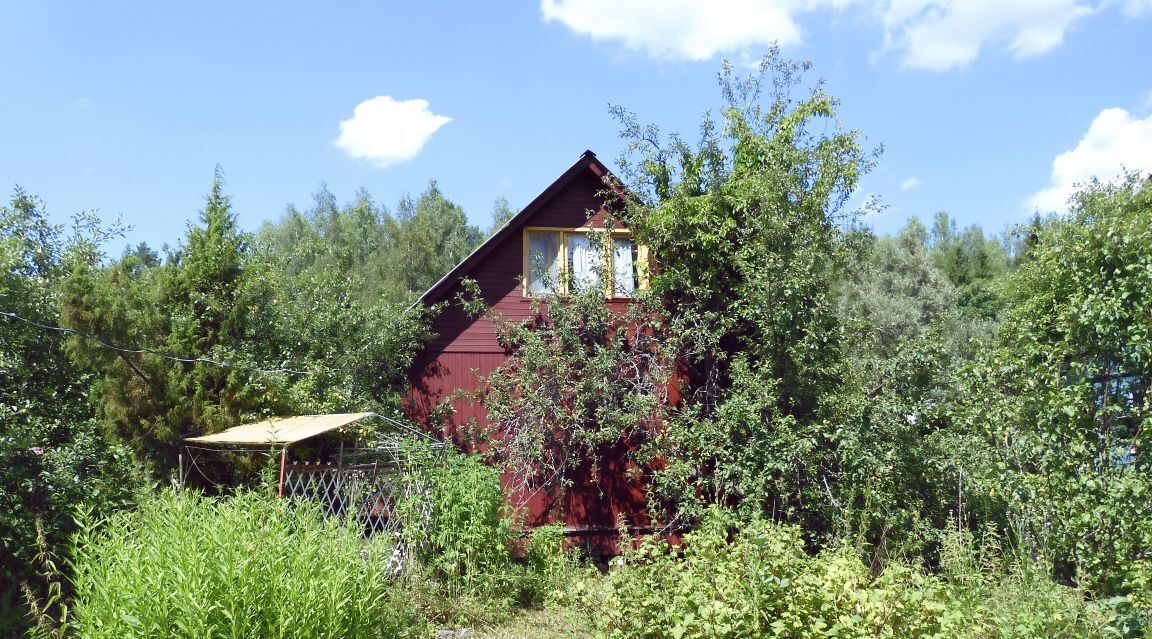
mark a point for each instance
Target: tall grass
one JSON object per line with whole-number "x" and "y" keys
{"x": 248, "y": 565}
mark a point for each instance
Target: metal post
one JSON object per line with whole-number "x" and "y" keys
{"x": 283, "y": 466}
{"x": 338, "y": 496}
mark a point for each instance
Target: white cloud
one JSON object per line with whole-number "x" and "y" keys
{"x": 1134, "y": 8}
{"x": 930, "y": 34}
{"x": 910, "y": 183}
{"x": 1115, "y": 141}
{"x": 684, "y": 29}
{"x": 386, "y": 131}
{"x": 943, "y": 34}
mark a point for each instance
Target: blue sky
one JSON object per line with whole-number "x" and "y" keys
{"x": 985, "y": 109}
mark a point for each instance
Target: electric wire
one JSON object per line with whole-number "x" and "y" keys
{"x": 196, "y": 467}
{"x": 150, "y": 351}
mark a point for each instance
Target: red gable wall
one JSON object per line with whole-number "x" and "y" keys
{"x": 466, "y": 349}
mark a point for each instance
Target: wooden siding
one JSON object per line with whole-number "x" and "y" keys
{"x": 439, "y": 375}
{"x": 498, "y": 275}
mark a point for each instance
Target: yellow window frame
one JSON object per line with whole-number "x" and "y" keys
{"x": 563, "y": 275}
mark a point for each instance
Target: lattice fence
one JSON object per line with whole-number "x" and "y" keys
{"x": 366, "y": 494}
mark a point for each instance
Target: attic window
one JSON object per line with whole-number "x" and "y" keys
{"x": 543, "y": 262}
{"x": 561, "y": 261}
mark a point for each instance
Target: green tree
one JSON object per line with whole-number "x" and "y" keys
{"x": 349, "y": 241}
{"x": 894, "y": 290}
{"x": 338, "y": 308}
{"x": 973, "y": 263}
{"x": 747, "y": 234}
{"x": 184, "y": 312}
{"x": 903, "y": 461}
{"x": 432, "y": 237}
{"x": 356, "y": 352}
{"x": 583, "y": 383}
{"x": 1064, "y": 399}
{"x": 53, "y": 457}
{"x": 233, "y": 328}
{"x": 501, "y": 213}
{"x": 393, "y": 258}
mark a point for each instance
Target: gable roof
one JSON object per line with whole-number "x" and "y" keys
{"x": 587, "y": 162}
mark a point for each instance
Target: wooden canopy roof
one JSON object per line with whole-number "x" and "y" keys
{"x": 279, "y": 431}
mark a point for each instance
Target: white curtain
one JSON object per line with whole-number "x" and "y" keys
{"x": 543, "y": 262}
{"x": 624, "y": 265}
{"x": 584, "y": 262}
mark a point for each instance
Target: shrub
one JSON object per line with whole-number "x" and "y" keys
{"x": 466, "y": 539}
{"x": 756, "y": 580}
{"x": 547, "y": 567}
{"x": 243, "y": 566}
{"x": 467, "y": 569}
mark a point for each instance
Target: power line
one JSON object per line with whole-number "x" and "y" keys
{"x": 149, "y": 351}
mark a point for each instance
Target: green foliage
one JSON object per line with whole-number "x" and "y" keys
{"x": 1063, "y": 398}
{"x": 501, "y": 213}
{"x": 333, "y": 307}
{"x": 288, "y": 321}
{"x": 747, "y": 237}
{"x": 893, "y": 294}
{"x": 390, "y": 258}
{"x": 467, "y": 570}
{"x": 973, "y": 263}
{"x": 190, "y": 307}
{"x": 357, "y": 352}
{"x": 433, "y": 237}
{"x": 548, "y": 565}
{"x": 905, "y": 468}
{"x": 465, "y": 539}
{"x": 583, "y": 382}
{"x": 243, "y": 566}
{"x": 756, "y": 580}
{"x": 53, "y": 456}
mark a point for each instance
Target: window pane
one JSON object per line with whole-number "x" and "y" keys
{"x": 624, "y": 261}
{"x": 543, "y": 262}
{"x": 585, "y": 262}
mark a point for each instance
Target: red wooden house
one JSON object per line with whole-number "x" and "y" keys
{"x": 541, "y": 248}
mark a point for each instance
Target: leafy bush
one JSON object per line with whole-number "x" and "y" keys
{"x": 242, "y": 566}
{"x": 545, "y": 574}
{"x": 53, "y": 454}
{"x": 756, "y": 580}
{"x": 1064, "y": 397}
{"x": 746, "y": 232}
{"x": 466, "y": 539}
{"x": 468, "y": 570}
